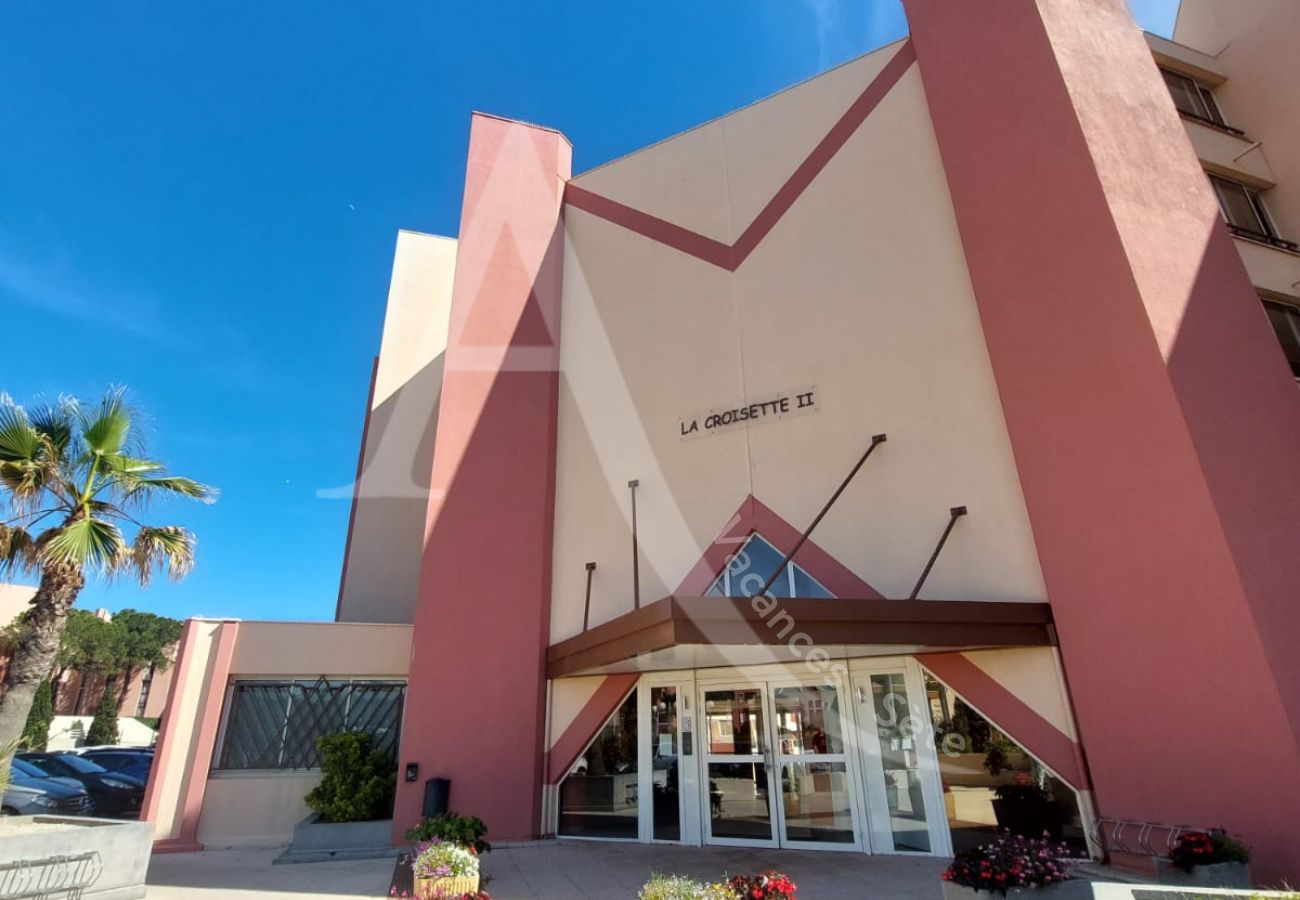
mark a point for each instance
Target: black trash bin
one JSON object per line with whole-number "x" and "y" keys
{"x": 437, "y": 797}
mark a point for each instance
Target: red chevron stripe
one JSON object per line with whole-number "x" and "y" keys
{"x": 730, "y": 256}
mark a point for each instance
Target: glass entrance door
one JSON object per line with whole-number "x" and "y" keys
{"x": 899, "y": 765}
{"x": 818, "y": 808}
{"x": 777, "y": 767}
{"x": 737, "y": 765}
{"x": 669, "y": 781}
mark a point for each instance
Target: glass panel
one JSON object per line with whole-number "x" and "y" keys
{"x": 806, "y": 586}
{"x": 815, "y": 797}
{"x": 598, "y": 798}
{"x": 738, "y": 801}
{"x": 1286, "y": 323}
{"x": 1238, "y": 207}
{"x": 990, "y": 784}
{"x": 255, "y": 726}
{"x": 1187, "y": 98}
{"x": 735, "y": 722}
{"x": 1212, "y": 111}
{"x": 275, "y": 725}
{"x": 753, "y": 565}
{"x": 808, "y": 720}
{"x": 317, "y": 710}
{"x": 663, "y": 756}
{"x": 898, "y": 732}
{"x": 750, "y": 568}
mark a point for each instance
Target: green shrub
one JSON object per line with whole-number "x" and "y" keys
{"x": 37, "y": 730}
{"x": 357, "y": 781}
{"x": 452, "y": 828}
{"x": 103, "y": 728}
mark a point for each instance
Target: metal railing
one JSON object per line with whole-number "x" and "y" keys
{"x": 52, "y": 878}
{"x": 1135, "y": 838}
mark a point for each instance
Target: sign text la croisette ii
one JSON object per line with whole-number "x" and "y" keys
{"x": 755, "y": 411}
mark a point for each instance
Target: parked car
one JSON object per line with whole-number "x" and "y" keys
{"x": 124, "y": 760}
{"x": 115, "y": 795}
{"x": 32, "y": 792}
{"x": 98, "y": 747}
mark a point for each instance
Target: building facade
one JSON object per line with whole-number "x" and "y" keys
{"x": 907, "y": 455}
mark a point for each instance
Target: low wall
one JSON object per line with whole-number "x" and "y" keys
{"x": 255, "y": 809}
{"x": 46, "y": 842}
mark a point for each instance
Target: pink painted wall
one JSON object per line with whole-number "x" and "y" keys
{"x": 1150, "y": 433}
{"x": 476, "y": 705}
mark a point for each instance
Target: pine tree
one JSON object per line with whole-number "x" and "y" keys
{"x": 103, "y": 728}
{"x": 37, "y": 730}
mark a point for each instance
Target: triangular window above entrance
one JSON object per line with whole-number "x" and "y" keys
{"x": 755, "y": 562}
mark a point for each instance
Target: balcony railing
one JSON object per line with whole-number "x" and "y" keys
{"x": 1268, "y": 239}
{"x": 1210, "y": 123}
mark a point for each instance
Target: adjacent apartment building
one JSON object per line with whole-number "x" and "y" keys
{"x": 907, "y": 455}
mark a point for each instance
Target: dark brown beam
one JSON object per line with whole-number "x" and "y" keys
{"x": 677, "y": 621}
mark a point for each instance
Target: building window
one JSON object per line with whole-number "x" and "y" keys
{"x": 598, "y": 798}
{"x": 1285, "y": 320}
{"x": 1243, "y": 209}
{"x": 749, "y": 569}
{"x": 275, "y": 724}
{"x": 1193, "y": 99}
{"x": 991, "y": 785}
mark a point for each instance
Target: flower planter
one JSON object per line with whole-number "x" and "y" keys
{"x": 317, "y": 841}
{"x": 1224, "y": 875}
{"x": 431, "y": 888}
{"x": 51, "y": 848}
{"x": 1074, "y": 889}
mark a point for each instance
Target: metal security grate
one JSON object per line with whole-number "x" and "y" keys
{"x": 275, "y": 724}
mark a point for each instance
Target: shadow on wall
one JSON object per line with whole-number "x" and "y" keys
{"x": 381, "y": 581}
{"x": 482, "y": 625}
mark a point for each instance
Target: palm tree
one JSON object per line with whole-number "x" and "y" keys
{"x": 72, "y": 478}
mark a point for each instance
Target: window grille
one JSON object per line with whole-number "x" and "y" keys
{"x": 275, "y": 724}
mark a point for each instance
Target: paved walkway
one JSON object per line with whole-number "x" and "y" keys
{"x": 546, "y": 870}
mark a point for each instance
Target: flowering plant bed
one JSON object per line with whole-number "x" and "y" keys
{"x": 1010, "y": 863}
{"x": 1206, "y": 859}
{"x": 770, "y": 885}
{"x": 443, "y": 870}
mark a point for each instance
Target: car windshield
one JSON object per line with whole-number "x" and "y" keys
{"x": 76, "y": 763}
{"x": 23, "y": 767}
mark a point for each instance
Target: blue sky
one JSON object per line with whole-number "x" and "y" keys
{"x": 200, "y": 201}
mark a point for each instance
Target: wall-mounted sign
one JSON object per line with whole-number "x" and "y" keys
{"x": 778, "y": 406}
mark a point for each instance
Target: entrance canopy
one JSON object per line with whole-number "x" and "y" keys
{"x": 701, "y": 632}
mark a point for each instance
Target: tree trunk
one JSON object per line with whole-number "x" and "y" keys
{"x": 34, "y": 658}
{"x": 56, "y": 687}
{"x": 127, "y": 675}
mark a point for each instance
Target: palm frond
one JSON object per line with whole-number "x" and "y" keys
{"x": 19, "y": 441}
{"x": 56, "y": 423}
{"x": 18, "y": 552}
{"x": 87, "y": 542}
{"x": 167, "y": 549}
{"x": 144, "y": 489}
{"x": 107, "y": 427}
{"x": 121, "y": 464}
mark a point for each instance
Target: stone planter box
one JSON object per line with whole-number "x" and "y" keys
{"x": 1075, "y": 889}
{"x": 432, "y": 888}
{"x": 316, "y": 841}
{"x": 1224, "y": 875}
{"x": 121, "y": 853}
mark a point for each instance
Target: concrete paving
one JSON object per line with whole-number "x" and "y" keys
{"x": 546, "y": 870}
